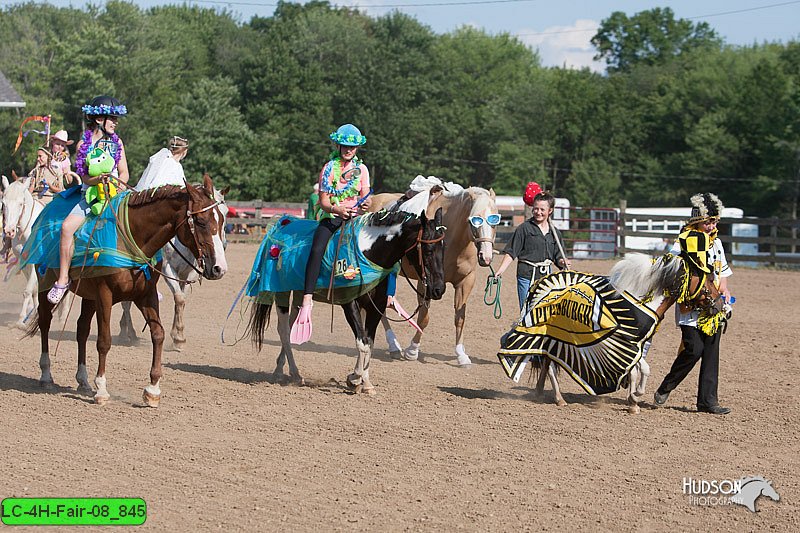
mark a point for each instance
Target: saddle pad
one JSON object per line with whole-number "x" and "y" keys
{"x": 98, "y": 245}
{"x": 280, "y": 264}
{"x": 584, "y": 325}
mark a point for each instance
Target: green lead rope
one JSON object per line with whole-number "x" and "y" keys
{"x": 491, "y": 294}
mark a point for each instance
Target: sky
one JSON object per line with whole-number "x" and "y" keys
{"x": 560, "y": 30}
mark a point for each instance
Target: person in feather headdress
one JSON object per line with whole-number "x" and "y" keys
{"x": 699, "y": 245}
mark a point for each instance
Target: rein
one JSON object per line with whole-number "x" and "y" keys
{"x": 493, "y": 286}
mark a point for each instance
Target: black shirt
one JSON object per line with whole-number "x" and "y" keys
{"x": 529, "y": 243}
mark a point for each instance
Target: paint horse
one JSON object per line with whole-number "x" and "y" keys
{"x": 20, "y": 210}
{"x": 384, "y": 239}
{"x": 153, "y": 218}
{"x": 179, "y": 270}
{"x": 646, "y": 281}
{"x": 471, "y": 217}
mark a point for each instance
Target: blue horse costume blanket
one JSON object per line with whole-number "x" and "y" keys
{"x": 104, "y": 253}
{"x": 279, "y": 266}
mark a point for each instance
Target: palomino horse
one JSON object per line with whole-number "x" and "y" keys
{"x": 178, "y": 271}
{"x": 385, "y": 239}
{"x": 20, "y": 210}
{"x": 638, "y": 275}
{"x": 467, "y": 245}
{"x": 153, "y": 219}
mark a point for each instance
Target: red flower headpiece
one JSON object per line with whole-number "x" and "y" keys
{"x": 530, "y": 193}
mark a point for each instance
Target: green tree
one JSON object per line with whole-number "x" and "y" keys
{"x": 648, "y": 37}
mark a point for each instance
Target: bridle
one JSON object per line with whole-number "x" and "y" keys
{"x": 418, "y": 245}
{"x": 191, "y": 214}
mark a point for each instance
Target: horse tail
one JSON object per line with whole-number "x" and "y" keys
{"x": 258, "y": 323}
{"x": 33, "y": 326}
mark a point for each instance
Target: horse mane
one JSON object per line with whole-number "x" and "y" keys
{"x": 640, "y": 276}
{"x": 390, "y": 216}
{"x": 148, "y": 196}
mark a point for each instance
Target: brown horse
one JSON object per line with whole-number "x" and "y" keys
{"x": 466, "y": 247}
{"x": 155, "y": 216}
{"x": 639, "y": 276}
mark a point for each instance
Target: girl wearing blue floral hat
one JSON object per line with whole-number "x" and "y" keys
{"x": 343, "y": 191}
{"x": 99, "y": 142}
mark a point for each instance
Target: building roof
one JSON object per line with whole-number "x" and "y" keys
{"x": 8, "y": 96}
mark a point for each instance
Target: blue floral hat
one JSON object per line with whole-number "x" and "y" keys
{"x": 348, "y": 135}
{"x": 105, "y": 105}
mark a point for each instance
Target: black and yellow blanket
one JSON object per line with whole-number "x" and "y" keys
{"x": 584, "y": 325}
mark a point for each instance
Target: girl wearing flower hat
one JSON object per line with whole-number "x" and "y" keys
{"x": 102, "y": 115}
{"x": 343, "y": 190}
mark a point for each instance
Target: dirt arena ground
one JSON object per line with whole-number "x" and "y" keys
{"x": 439, "y": 448}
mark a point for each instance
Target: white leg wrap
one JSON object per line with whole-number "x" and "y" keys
{"x": 412, "y": 352}
{"x": 461, "y": 354}
{"x": 100, "y": 384}
{"x": 644, "y": 373}
{"x": 391, "y": 340}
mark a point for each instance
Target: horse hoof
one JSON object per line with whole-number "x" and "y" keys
{"x": 46, "y": 384}
{"x": 464, "y": 361}
{"x": 369, "y": 391}
{"x": 101, "y": 400}
{"x": 634, "y": 409}
{"x": 561, "y": 403}
{"x": 85, "y": 389}
{"x": 398, "y": 356}
{"x": 150, "y": 400}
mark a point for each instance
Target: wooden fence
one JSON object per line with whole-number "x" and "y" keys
{"x": 777, "y": 241}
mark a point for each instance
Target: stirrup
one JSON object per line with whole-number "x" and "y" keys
{"x": 301, "y": 329}
{"x": 57, "y": 292}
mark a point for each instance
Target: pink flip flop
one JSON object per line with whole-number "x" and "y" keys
{"x": 301, "y": 329}
{"x": 405, "y": 316}
{"x": 57, "y": 293}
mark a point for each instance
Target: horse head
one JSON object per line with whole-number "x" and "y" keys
{"x": 17, "y": 203}
{"x": 483, "y": 219}
{"x": 204, "y": 229}
{"x": 427, "y": 255}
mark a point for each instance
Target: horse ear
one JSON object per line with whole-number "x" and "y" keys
{"x": 491, "y": 193}
{"x": 208, "y": 185}
{"x": 437, "y": 218}
{"x": 225, "y": 191}
{"x": 5, "y": 182}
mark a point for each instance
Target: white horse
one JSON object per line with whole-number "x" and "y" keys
{"x": 20, "y": 210}
{"x": 178, "y": 272}
{"x": 640, "y": 277}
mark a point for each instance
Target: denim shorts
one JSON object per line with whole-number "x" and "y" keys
{"x": 81, "y": 209}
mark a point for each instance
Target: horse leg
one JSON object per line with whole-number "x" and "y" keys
{"x": 285, "y": 320}
{"x": 27, "y": 298}
{"x": 84, "y": 326}
{"x": 395, "y": 350}
{"x": 126, "y": 329}
{"x": 552, "y": 373}
{"x": 638, "y": 382}
{"x": 359, "y": 380}
{"x": 103, "y": 310}
{"x": 462, "y": 291}
{"x": 412, "y": 352}
{"x": 45, "y": 317}
{"x": 178, "y": 326}
{"x": 148, "y": 305}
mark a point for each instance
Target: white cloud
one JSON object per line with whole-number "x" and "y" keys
{"x": 565, "y": 45}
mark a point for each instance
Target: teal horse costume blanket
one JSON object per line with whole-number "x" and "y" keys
{"x": 279, "y": 266}
{"x": 99, "y": 245}
{"x": 583, "y": 324}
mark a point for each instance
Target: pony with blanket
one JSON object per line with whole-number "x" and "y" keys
{"x": 117, "y": 258}
{"x": 359, "y": 260}
{"x": 598, "y": 329}
{"x": 471, "y": 218}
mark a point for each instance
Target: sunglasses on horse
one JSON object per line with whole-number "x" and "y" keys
{"x": 492, "y": 220}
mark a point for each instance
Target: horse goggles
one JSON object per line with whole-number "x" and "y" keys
{"x": 478, "y": 221}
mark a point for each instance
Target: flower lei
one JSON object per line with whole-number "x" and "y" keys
{"x": 81, "y": 166}
{"x": 330, "y": 186}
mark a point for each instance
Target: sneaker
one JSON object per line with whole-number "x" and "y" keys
{"x": 715, "y": 410}
{"x": 660, "y": 399}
